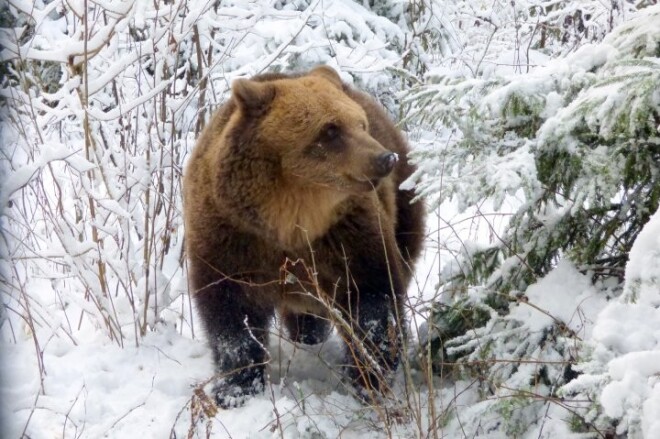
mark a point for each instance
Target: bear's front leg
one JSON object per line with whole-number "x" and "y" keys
{"x": 374, "y": 323}
{"x": 374, "y": 340}
{"x": 237, "y": 331}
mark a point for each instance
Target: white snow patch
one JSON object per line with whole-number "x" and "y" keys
{"x": 625, "y": 363}
{"x": 564, "y": 295}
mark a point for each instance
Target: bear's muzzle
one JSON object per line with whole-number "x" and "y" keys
{"x": 385, "y": 163}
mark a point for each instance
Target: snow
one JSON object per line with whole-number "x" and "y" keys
{"x": 97, "y": 388}
{"x": 628, "y": 332}
{"x": 565, "y": 295}
{"x": 624, "y": 366}
{"x": 643, "y": 267}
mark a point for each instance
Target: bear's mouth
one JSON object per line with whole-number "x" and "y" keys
{"x": 363, "y": 184}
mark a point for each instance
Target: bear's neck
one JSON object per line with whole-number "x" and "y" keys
{"x": 298, "y": 215}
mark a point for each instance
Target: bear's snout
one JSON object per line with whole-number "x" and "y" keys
{"x": 385, "y": 163}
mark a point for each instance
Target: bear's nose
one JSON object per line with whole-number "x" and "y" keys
{"x": 385, "y": 163}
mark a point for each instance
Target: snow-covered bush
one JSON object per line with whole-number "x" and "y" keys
{"x": 102, "y": 103}
{"x": 576, "y": 143}
{"x": 622, "y": 370}
{"x": 515, "y": 36}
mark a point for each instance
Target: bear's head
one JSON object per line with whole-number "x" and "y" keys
{"x": 319, "y": 135}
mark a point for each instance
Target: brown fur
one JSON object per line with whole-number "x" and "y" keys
{"x": 292, "y": 169}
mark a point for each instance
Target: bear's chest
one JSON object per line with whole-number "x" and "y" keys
{"x": 296, "y": 218}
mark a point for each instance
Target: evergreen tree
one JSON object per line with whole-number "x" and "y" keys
{"x": 578, "y": 141}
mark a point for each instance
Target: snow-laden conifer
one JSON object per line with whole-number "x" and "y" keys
{"x": 575, "y": 143}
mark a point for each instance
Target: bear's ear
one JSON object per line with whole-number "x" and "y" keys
{"x": 252, "y": 97}
{"x": 328, "y": 73}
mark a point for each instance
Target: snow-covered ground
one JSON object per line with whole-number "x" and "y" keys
{"x": 82, "y": 384}
{"x": 85, "y": 385}
{"x": 91, "y": 387}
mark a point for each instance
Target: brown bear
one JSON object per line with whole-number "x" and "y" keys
{"x": 292, "y": 204}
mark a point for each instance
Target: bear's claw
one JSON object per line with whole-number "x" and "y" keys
{"x": 234, "y": 391}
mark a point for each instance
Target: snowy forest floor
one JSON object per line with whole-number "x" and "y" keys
{"x": 94, "y": 388}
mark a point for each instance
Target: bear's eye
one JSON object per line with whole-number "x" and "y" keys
{"x": 363, "y": 126}
{"x": 331, "y": 131}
